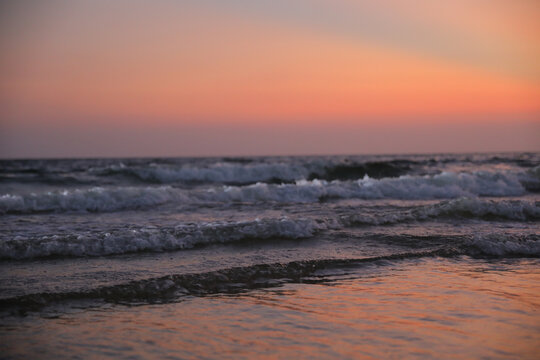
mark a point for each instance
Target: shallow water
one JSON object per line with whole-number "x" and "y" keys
{"x": 423, "y": 308}
{"x": 432, "y": 256}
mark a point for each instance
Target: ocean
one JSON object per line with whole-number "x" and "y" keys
{"x": 328, "y": 257}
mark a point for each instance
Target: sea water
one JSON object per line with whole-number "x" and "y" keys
{"x": 419, "y": 256}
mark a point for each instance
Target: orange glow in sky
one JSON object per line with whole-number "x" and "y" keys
{"x": 135, "y": 64}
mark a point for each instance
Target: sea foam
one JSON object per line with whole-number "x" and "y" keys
{"x": 182, "y": 236}
{"x": 185, "y": 236}
{"x": 446, "y": 185}
{"x": 97, "y": 199}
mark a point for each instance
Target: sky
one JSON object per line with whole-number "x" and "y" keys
{"x": 92, "y": 78}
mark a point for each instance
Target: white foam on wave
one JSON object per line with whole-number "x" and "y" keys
{"x": 441, "y": 186}
{"x": 185, "y": 236}
{"x": 96, "y": 199}
{"x": 444, "y": 185}
{"x": 182, "y": 236}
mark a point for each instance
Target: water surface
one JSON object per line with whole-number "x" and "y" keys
{"x": 431, "y": 256}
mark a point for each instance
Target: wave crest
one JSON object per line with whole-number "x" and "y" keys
{"x": 97, "y": 199}
{"x": 183, "y": 236}
{"x": 441, "y": 186}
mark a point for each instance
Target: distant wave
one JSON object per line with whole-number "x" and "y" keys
{"x": 372, "y": 169}
{"x": 230, "y": 172}
{"x": 185, "y": 236}
{"x": 246, "y": 173}
{"x": 97, "y": 199}
{"x": 531, "y": 179}
{"x": 238, "y": 172}
{"x": 446, "y": 185}
{"x": 225, "y": 172}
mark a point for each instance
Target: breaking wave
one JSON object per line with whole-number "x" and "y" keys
{"x": 100, "y": 199}
{"x": 183, "y": 236}
{"x": 97, "y": 199}
{"x": 186, "y": 236}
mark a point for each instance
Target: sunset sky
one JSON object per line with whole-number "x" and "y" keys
{"x": 244, "y": 77}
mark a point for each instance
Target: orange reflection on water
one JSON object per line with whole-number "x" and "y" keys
{"x": 431, "y": 308}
